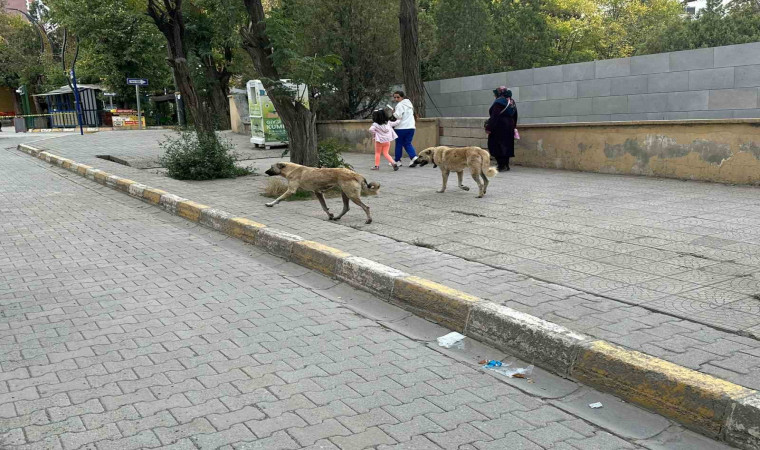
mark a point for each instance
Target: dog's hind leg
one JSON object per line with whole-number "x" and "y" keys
{"x": 476, "y": 176}
{"x": 460, "y": 174}
{"x": 358, "y": 201}
{"x": 445, "y": 176}
{"x": 345, "y": 207}
{"x": 485, "y": 182}
{"x": 321, "y": 199}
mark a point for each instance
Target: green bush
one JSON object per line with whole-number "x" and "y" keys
{"x": 193, "y": 155}
{"x": 330, "y": 153}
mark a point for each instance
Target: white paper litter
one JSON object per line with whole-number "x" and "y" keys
{"x": 595, "y": 405}
{"x": 452, "y": 340}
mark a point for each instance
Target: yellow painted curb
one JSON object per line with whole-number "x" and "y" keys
{"x": 318, "y": 256}
{"x": 66, "y": 163}
{"x": 101, "y": 177}
{"x": 694, "y": 399}
{"x": 123, "y": 184}
{"x": 153, "y": 195}
{"x": 244, "y": 229}
{"x": 437, "y": 302}
{"x": 82, "y": 169}
{"x": 190, "y": 210}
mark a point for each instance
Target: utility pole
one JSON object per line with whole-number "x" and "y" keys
{"x": 137, "y": 94}
{"x": 137, "y": 82}
{"x": 76, "y": 98}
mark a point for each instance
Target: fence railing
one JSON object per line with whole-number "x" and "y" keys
{"x": 62, "y": 119}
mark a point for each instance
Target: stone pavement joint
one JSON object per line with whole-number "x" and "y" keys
{"x": 700, "y": 401}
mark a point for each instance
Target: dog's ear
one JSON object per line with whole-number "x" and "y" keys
{"x": 280, "y": 166}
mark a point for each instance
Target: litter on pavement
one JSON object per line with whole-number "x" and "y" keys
{"x": 452, "y": 340}
{"x": 595, "y": 405}
{"x": 505, "y": 369}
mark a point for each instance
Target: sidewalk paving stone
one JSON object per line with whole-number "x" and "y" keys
{"x": 51, "y": 218}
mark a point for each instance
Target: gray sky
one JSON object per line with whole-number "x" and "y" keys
{"x": 701, "y": 3}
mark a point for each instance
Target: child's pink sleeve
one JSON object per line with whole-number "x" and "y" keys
{"x": 373, "y": 129}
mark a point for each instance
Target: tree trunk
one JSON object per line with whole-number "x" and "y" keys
{"x": 167, "y": 16}
{"x": 220, "y": 89}
{"x": 299, "y": 121}
{"x": 410, "y": 55}
{"x": 302, "y": 133}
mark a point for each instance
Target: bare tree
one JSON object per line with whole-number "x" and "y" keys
{"x": 167, "y": 14}
{"x": 410, "y": 55}
{"x": 300, "y": 123}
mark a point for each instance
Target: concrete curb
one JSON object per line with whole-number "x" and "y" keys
{"x": 714, "y": 407}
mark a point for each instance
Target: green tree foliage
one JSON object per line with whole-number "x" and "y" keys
{"x": 21, "y": 61}
{"x": 347, "y": 50}
{"x": 117, "y": 41}
{"x": 210, "y": 32}
{"x": 467, "y": 37}
{"x": 715, "y": 25}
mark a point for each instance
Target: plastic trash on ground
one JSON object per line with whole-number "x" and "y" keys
{"x": 452, "y": 340}
{"x": 595, "y": 405}
{"x": 508, "y": 371}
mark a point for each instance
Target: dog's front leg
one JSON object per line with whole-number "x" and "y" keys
{"x": 288, "y": 193}
{"x": 321, "y": 199}
{"x": 445, "y": 176}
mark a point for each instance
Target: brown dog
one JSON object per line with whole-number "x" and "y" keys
{"x": 456, "y": 159}
{"x": 318, "y": 181}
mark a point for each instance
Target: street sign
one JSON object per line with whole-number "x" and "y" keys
{"x": 109, "y": 94}
{"x": 137, "y": 81}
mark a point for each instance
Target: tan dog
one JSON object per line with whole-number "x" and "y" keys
{"x": 456, "y": 159}
{"x": 318, "y": 181}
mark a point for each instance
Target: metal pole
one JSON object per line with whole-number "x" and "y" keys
{"x": 110, "y": 99}
{"x": 76, "y": 100}
{"x": 139, "y": 120}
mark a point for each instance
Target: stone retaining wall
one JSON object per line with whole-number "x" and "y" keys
{"x": 726, "y": 151}
{"x": 354, "y": 133}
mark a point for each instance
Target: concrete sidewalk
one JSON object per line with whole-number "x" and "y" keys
{"x": 123, "y": 327}
{"x": 660, "y": 266}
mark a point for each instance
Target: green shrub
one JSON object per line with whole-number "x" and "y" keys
{"x": 330, "y": 153}
{"x": 193, "y": 155}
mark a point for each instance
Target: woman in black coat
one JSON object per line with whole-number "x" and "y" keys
{"x": 501, "y": 126}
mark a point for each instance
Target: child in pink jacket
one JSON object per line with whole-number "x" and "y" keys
{"x": 382, "y": 130}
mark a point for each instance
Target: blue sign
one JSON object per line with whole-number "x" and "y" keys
{"x": 137, "y": 81}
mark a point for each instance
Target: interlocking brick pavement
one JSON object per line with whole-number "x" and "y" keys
{"x": 124, "y": 327}
{"x": 641, "y": 262}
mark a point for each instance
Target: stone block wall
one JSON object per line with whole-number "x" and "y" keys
{"x": 708, "y": 83}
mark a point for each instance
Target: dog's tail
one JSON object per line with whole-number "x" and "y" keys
{"x": 371, "y": 186}
{"x": 489, "y": 171}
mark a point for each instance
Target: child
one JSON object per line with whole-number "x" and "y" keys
{"x": 383, "y": 132}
